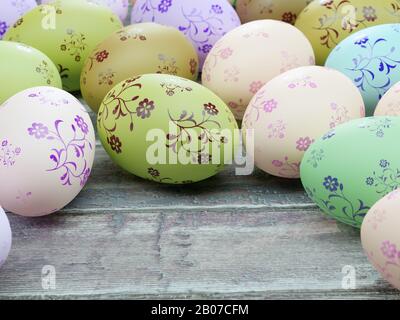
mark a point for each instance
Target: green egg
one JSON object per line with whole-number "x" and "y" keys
{"x": 24, "y": 67}
{"x": 67, "y": 32}
{"x": 352, "y": 167}
{"x": 167, "y": 129}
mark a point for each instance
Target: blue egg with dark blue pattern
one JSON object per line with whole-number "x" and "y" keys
{"x": 371, "y": 59}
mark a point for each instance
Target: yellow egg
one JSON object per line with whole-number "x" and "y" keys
{"x": 135, "y": 50}
{"x": 327, "y": 22}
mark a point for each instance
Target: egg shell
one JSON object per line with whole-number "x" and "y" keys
{"x": 11, "y": 11}
{"x": 249, "y": 56}
{"x": 47, "y": 147}
{"x": 380, "y": 237}
{"x": 293, "y": 110}
{"x": 149, "y": 48}
{"x": 352, "y": 167}
{"x": 58, "y": 30}
{"x": 119, "y": 7}
{"x": 370, "y": 58}
{"x": 202, "y": 22}
{"x": 179, "y": 110}
{"x": 327, "y": 22}
{"x": 25, "y": 67}
{"x": 5, "y": 237}
{"x": 286, "y": 11}
{"x": 389, "y": 105}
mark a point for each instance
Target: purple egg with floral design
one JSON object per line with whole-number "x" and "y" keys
{"x": 47, "y": 147}
{"x": 11, "y": 11}
{"x": 5, "y": 237}
{"x": 203, "y": 22}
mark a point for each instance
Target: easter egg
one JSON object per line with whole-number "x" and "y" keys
{"x": 167, "y": 129}
{"x": 25, "y": 67}
{"x": 47, "y": 147}
{"x": 202, "y": 22}
{"x": 352, "y": 167}
{"x": 60, "y": 32}
{"x": 249, "y": 56}
{"x": 5, "y": 237}
{"x": 293, "y": 110}
{"x": 149, "y": 48}
{"x": 11, "y": 11}
{"x": 389, "y": 105}
{"x": 286, "y": 11}
{"x": 119, "y": 7}
{"x": 371, "y": 59}
{"x": 327, "y": 22}
{"x": 380, "y": 237}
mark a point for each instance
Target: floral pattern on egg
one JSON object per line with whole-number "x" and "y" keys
{"x": 12, "y": 11}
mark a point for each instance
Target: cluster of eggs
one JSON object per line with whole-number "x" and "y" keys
{"x": 301, "y": 76}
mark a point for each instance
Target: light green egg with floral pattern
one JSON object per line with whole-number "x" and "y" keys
{"x": 67, "y": 32}
{"x": 23, "y": 67}
{"x": 167, "y": 129}
{"x": 352, "y": 167}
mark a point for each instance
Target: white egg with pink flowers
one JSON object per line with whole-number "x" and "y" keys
{"x": 47, "y": 146}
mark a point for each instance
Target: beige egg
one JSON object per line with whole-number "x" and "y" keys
{"x": 293, "y": 110}
{"x": 286, "y": 11}
{"x": 380, "y": 237}
{"x": 135, "y": 50}
{"x": 389, "y": 105}
{"x": 249, "y": 56}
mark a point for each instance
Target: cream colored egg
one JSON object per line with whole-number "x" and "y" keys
{"x": 389, "y": 105}
{"x": 287, "y": 11}
{"x": 251, "y": 55}
{"x": 293, "y": 110}
{"x": 380, "y": 237}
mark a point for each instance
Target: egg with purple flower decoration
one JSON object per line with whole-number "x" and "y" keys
{"x": 47, "y": 147}
{"x": 11, "y": 11}
{"x": 203, "y": 22}
{"x": 5, "y": 237}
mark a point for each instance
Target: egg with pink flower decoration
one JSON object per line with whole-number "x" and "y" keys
{"x": 47, "y": 147}
{"x": 389, "y": 105}
{"x": 380, "y": 237}
{"x": 249, "y": 56}
{"x": 11, "y": 11}
{"x": 293, "y": 110}
{"x": 5, "y": 237}
{"x": 202, "y": 22}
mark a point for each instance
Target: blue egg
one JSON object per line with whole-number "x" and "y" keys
{"x": 371, "y": 59}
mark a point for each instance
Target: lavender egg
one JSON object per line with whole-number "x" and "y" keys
{"x": 203, "y": 22}
{"x": 5, "y": 237}
{"x": 11, "y": 11}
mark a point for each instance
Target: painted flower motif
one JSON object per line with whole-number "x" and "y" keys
{"x": 164, "y": 5}
{"x": 304, "y": 143}
{"x": 8, "y": 153}
{"x": 102, "y": 55}
{"x": 85, "y": 177}
{"x": 226, "y": 53}
{"x": 389, "y": 250}
{"x": 115, "y": 144}
{"x": 369, "y": 13}
{"x": 211, "y": 109}
{"x": 270, "y": 105}
{"x": 289, "y": 17}
{"x": 38, "y": 130}
{"x": 153, "y": 172}
{"x": 217, "y": 9}
{"x": 362, "y": 42}
{"x": 3, "y": 28}
{"x": 255, "y": 86}
{"x": 193, "y": 66}
{"x": 80, "y": 122}
{"x": 384, "y": 163}
{"x": 206, "y": 48}
{"x": 331, "y": 184}
{"x": 144, "y": 109}
{"x": 369, "y": 181}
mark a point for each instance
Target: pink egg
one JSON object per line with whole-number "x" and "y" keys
{"x": 249, "y": 56}
{"x": 203, "y": 22}
{"x": 380, "y": 237}
{"x": 5, "y": 237}
{"x": 293, "y": 110}
{"x": 47, "y": 147}
{"x": 389, "y": 105}
{"x": 11, "y": 11}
